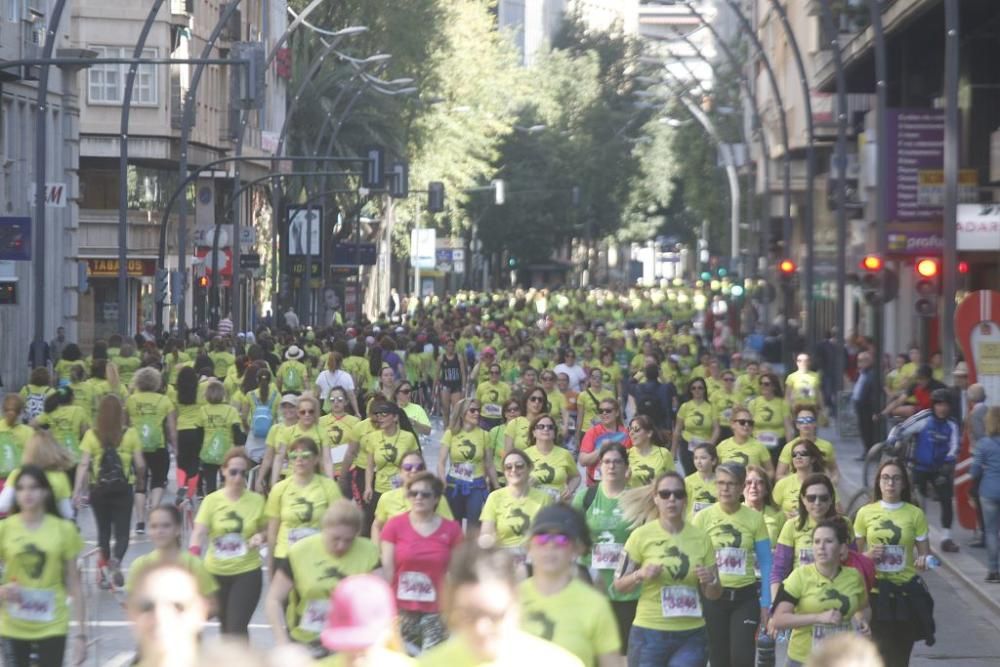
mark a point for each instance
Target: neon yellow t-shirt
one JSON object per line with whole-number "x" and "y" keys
{"x": 551, "y": 470}
{"x": 769, "y": 420}
{"x": 147, "y": 412}
{"x": 825, "y": 448}
{"x": 517, "y": 430}
{"x": 814, "y": 593}
{"x": 647, "y": 468}
{"x": 750, "y": 452}
{"x": 57, "y": 480}
{"x": 299, "y": 509}
{"x": 701, "y": 494}
{"x": 577, "y": 618}
{"x": 698, "y": 421}
{"x": 899, "y": 529}
{"x": 734, "y": 536}
{"x": 724, "y": 403}
{"x": 315, "y": 572}
{"x": 491, "y": 397}
{"x": 513, "y": 516}
{"x": 219, "y": 419}
{"x": 393, "y": 503}
{"x": 804, "y": 387}
{"x": 671, "y": 602}
{"x": 588, "y": 402}
{"x": 388, "y": 452}
{"x": 207, "y": 585}
{"x": 230, "y": 526}
{"x": 467, "y": 453}
{"x": 36, "y": 561}
{"x": 520, "y": 649}
{"x": 12, "y": 441}
{"x": 65, "y": 423}
{"x": 127, "y": 448}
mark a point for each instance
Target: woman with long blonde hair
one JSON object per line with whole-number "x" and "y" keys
{"x": 43, "y": 451}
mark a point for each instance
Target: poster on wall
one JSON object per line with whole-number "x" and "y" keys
{"x": 305, "y": 225}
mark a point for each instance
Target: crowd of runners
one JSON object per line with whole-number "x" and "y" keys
{"x": 617, "y": 481}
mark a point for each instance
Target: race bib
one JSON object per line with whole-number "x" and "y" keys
{"x": 33, "y": 605}
{"x": 731, "y": 560}
{"x": 463, "y": 471}
{"x": 492, "y": 411}
{"x": 806, "y": 556}
{"x": 893, "y": 559}
{"x": 396, "y": 481}
{"x": 232, "y": 545}
{"x": 415, "y": 587}
{"x": 605, "y": 556}
{"x": 296, "y": 534}
{"x": 553, "y": 492}
{"x": 314, "y": 616}
{"x": 697, "y": 507}
{"x": 678, "y": 601}
{"x": 824, "y": 630}
{"x": 768, "y": 439}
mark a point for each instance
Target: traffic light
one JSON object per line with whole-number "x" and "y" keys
{"x": 162, "y": 286}
{"x": 373, "y": 175}
{"x": 203, "y": 282}
{"x": 499, "y": 191}
{"x": 928, "y": 287}
{"x": 512, "y": 262}
{"x": 706, "y": 275}
{"x": 786, "y": 272}
{"x": 399, "y": 180}
{"x": 879, "y": 284}
{"x": 435, "y": 197}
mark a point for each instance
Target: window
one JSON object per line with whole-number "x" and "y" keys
{"x": 106, "y": 83}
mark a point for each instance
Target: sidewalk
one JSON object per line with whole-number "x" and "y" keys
{"x": 969, "y": 565}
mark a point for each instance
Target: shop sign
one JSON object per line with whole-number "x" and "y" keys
{"x": 108, "y": 268}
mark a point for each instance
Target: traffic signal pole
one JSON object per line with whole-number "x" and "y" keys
{"x": 951, "y": 157}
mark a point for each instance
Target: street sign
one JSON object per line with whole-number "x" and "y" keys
{"x": 248, "y": 236}
{"x": 351, "y": 254}
{"x": 250, "y": 261}
{"x": 422, "y": 243}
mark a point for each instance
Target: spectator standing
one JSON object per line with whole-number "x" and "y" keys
{"x": 866, "y": 401}
{"x": 986, "y": 471}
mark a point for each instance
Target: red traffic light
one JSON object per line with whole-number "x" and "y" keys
{"x": 963, "y": 267}
{"x": 787, "y": 266}
{"x": 927, "y": 267}
{"x": 203, "y": 281}
{"x": 872, "y": 263}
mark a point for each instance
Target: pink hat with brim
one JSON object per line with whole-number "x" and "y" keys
{"x": 362, "y": 610}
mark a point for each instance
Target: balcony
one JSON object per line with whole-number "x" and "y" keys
{"x": 98, "y": 232}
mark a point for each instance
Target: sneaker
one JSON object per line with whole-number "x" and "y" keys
{"x": 978, "y": 543}
{"x": 117, "y": 578}
{"x": 102, "y": 575}
{"x": 140, "y": 528}
{"x": 993, "y": 578}
{"x": 949, "y": 546}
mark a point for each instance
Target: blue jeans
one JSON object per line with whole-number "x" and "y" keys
{"x": 991, "y": 524}
{"x": 659, "y": 648}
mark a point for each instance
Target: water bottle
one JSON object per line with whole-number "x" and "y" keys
{"x": 932, "y": 562}
{"x": 765, "y": 649}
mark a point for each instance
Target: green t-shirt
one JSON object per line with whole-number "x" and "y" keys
{"x": 609, "y": 531}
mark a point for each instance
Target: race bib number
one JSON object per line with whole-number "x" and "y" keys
{"x": 464, "y": 471}
{"x": 415, "y": 587}
{"x": 33, "y": 605}
{"x": 893, "y": 559}
{"x": 232, "y": 545}
{"x": 731, "y": 560}
{"x": 396, "y": 481}
{"x": 676, "y": 601}
{"x": 806, "y": 556}
{"x": 297, "y": 534}
{"x": 314, "y": 616}
{"x": 605, "y": 556}
{"x": 697, "y": 507}
{"x": 492, "y": 411}
{"x": 694, "y": 442}
{"x": 768, "y": 439}
{"x": 824, "y": 630}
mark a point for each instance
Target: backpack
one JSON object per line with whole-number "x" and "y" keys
{"x": 10, "y": 454}
{"x": 150, "y": 430}
{"x": 34, "y": 405}
{"x": 292, "y": 378}
{"x": 215, "y": 443}
{"x": 648, "y": 403}
{"x": 111, "y": 478}
{"x": 263, "y": 416}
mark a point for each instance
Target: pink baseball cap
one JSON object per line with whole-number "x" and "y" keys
{"x": 362, "y": 609}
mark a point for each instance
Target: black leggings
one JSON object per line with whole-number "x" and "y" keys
{"x": 732, "y": 627}
{"x": 943, "y": 485}
{"x": 188, "y": 448}
{"x": 17, "y": 652}
{"x": 209, "y": 478}
{"x": 157, "y": 467}
{"x": 624, "y": 615}
{"x": 112, "y": 513}
{"x": 238, "y": 598}
{"x": 894, "y": 640}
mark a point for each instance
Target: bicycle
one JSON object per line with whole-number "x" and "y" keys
{"x": 876, "y": 456}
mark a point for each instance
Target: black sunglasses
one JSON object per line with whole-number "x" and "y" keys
{"x": 679, "y": 494}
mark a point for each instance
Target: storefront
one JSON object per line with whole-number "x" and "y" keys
{"x": 99, "y": 304}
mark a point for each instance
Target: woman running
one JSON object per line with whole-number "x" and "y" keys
{"x": 805, "y": 422}
{"x": 467, "y": 457}
{"x": 44, "y": 452}
{"x": 589, "y": 402}
{"x": 384, "y": 449}
{"x": 794, "y": 545}
{"x": 223, "y": 431}
{"x": 277, "y": 437}
{"x": 696, "y": 423}
{"x": 509, "y": 511}
{"x": 554, "y": 471}
{"x": 396, "y": 502}
{"x": 555, "y": 604}
{"x": 165, "y": 528}
{"x": 67, "y": 422}
{"x": 296, "y": 504}
{"x": 307, "y": 426}
{"x": 609, "y": 428}
{"x": 110, "y": 463}
{"x": 893, "y": 532}
{"x": 610, "y": 530}
{"x": 700, "y": 485}
{"x": 452, "y": 378}
{"x": 231, "y": 521}
{"x": 670, "y": 564}
{"x": 260, "y": 411}
{"x": 806, "y": 461}
{"x": 339, "y": 427}
{"x": 725, "y": 400}
{"x": 13, "y": 435}
{"x": 416, "y": 548}
{"x": 824, "y": 598}
{"x": 771, "y": 416}
{"x": 517, "y": 432}
{"x": 154, "y": 418}
{"x": 315, "y": 566}
{"x": 492, "y": 394}
{"x": 39, "y": 550}
{"x": 757, "y": 496}
{"x": 190, "y": 432}
{"x": 742, "y": 447}
{"x": 647, "y": 458}
{"x": 418, "y": 417}
{"x": 741, "y": 543}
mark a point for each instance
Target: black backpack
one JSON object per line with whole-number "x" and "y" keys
{"x": 648, "y": 403}
{"x": 111, "y": 478}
